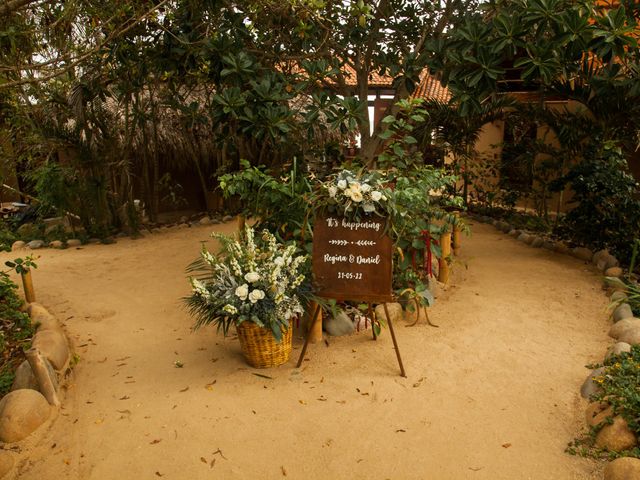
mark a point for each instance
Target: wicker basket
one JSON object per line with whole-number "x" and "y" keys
{"x": 260, "y": 347}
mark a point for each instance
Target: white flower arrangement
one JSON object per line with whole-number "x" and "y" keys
{"x": 256, "y": 280}
{"x": 349, "y": 192}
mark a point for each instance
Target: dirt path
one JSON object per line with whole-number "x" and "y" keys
{"x": 491, "y": 394}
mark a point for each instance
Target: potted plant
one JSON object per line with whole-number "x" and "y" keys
{"x": 255, "y": 284}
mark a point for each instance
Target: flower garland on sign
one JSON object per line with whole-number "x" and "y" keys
{"x": 351, "y": 194}
{"x": 256, "y": 280}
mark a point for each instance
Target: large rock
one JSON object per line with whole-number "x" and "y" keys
{"x": 618, "y": 296}
{"x": 514, "y": 233}
{"x": 35, "y": 244}
{"x": 616, "y": 437}
{"x": 582, "y": 253}
{"x": 41, "y": 318}
{"x": 205, "y": 221}
{"x": 617, "y": 349}
{"x": 549, "y": 245}
{"x": 24, "y": 379}
{"x": 53, "y": 346}
{"x": 620, "y": 327}
{"x": 73, "y": 242}
{"x": 562, "y": 248}
{"x": 524, "y": 237}
{"x": 18, "y": 245}
{"x": 623, "y": 468}
{"x": 606, "y": 262}
{"x": 613, "y": 272}
{"x": 622, "y": 311}
{"x": 589, "y": 387}
{"x": 227, "y": 218}
{"x": 56, "y": 244}
{"x": 537, "y": 242}
{"x": 598, "y": 412}
{"x": 395, "y": 312}
{"x": 630, "y": 336}
{"x": 21, "y": 413}
{"x": 599, "y": 255}
{"x": 6, "y": 463}
{"x": 611, "y": 262}
{"x": 339, "y": 325}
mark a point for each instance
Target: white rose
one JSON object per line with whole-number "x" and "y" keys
{"x": 365, "y": 187}
{"x": 278, "y": 261}
{"x": 256, "y": 295}
{"x": 369, "y": 207}
{"x": 356, "y": 196}
{"x": 242, "y": 291}
{"x": 252, "y": 277}
{"x": 342, "y": 184}
{"x": 355, "y": 186}
{"x": 376, "y": 196}
{"x": 332, "y": 191}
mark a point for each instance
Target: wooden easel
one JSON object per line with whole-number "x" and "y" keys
{"x": 318, "y": 318}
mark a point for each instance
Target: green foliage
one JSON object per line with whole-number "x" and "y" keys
{"x": 607, "y": 206}
{"x": 631, "y": 289}
{"x": 619, "y": 384}
{"x": 7, "y": 237}
{"x": 278, "y": 202}
{"x": 22, "y": 265}
{"x": 15, "y": 331}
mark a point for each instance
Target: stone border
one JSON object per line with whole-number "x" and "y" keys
{"x": 34, "y": 393}
{"x": 615, "y": 435}
{"x": 199, "y": 219}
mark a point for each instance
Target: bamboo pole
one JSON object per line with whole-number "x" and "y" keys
{"x": 41, "y": 372}
{"x": 27, "y": 284}
{"x": 455, "y": 243}
{"x": 315, "y": 324}
{"x": 445, "y": 245}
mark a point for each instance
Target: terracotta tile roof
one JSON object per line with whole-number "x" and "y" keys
{"x": 430, "y": 88}
{"x": 375, "y": 79}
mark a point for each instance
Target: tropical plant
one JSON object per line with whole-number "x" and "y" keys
{"x": 619, "y": 386}
{"x": 16, "y": 331}
{"x": 251, "y": 279}
{"x": 607, "y": 208}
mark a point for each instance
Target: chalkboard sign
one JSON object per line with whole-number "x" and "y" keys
{"x": 352, "y": 259}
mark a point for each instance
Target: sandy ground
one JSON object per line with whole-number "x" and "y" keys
{"x": 491, "y": 394}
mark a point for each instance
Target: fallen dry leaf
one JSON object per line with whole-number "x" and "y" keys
{"x": 506, "y": 445}
{"x": 302, "y": 402}
{"x": 103, "y": 360}
{"x": 284, "y": 471}
{"x": 153, "y": 442}
{"x": 99, "y": 421}
{"x": 184, "y": 389}
{"x": 126, "y": 397}
{"x": 158, "y": 474}
{"x": 204, "y": 460}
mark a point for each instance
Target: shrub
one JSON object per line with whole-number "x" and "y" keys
{"x": 15, "y": 331}
{"x": 607, "y": 211}
{"x": 620, "y": 386}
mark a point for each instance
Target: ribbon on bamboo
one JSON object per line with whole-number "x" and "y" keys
{"x": 428, "y": 259}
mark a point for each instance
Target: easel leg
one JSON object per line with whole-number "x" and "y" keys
{"x": 372, "y": 316}
{"x": 395, "y": 343}
{"x": 315, "y": 318}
